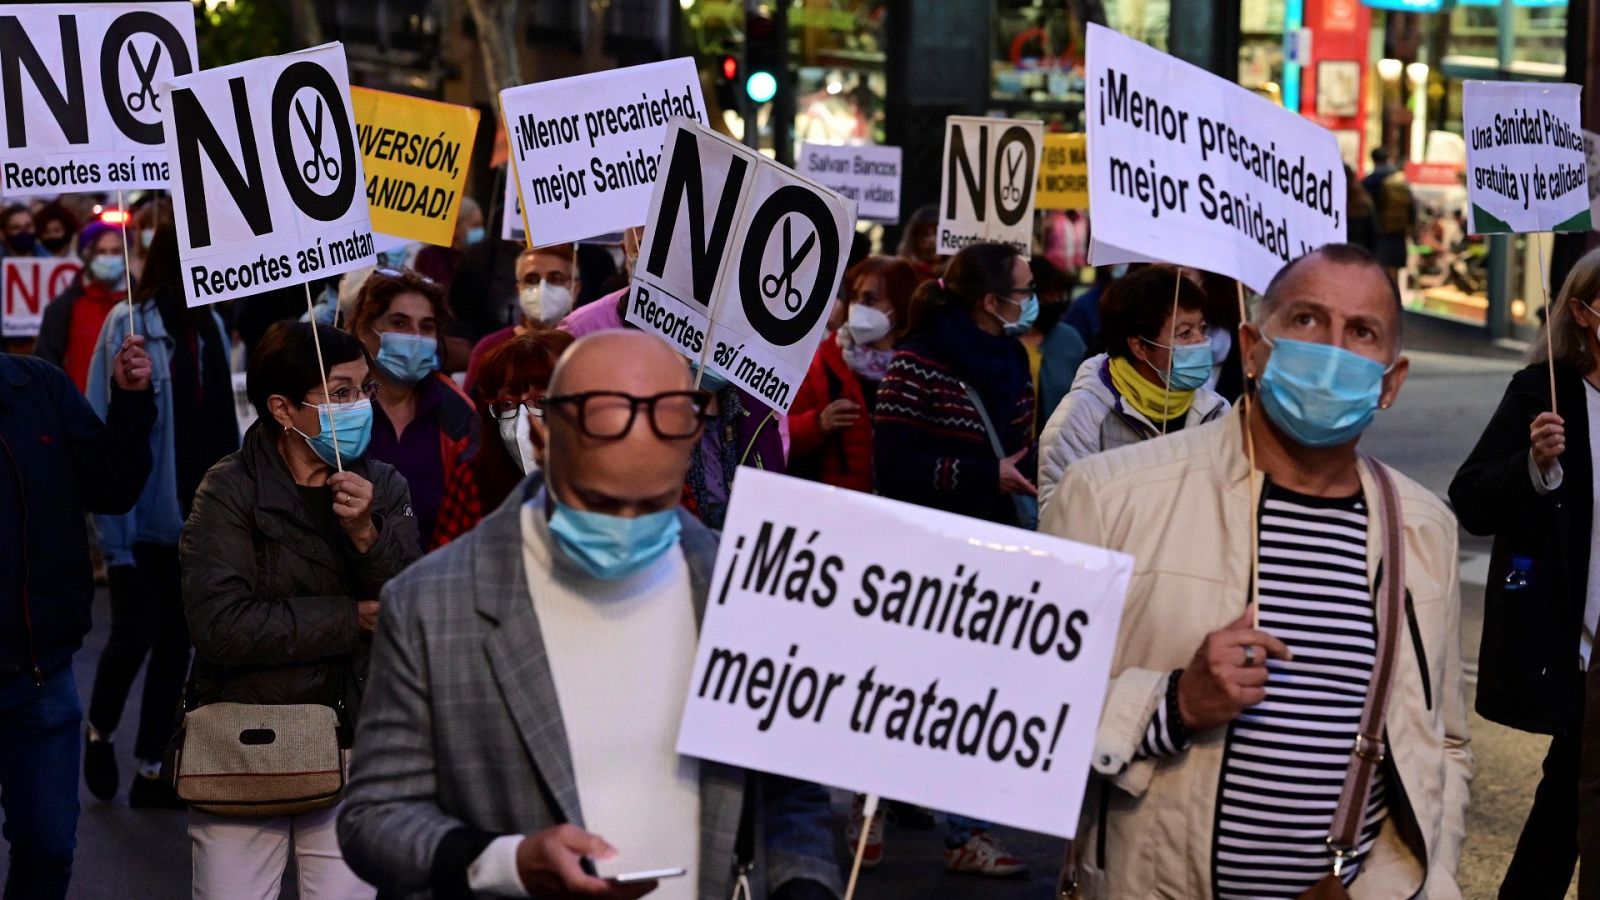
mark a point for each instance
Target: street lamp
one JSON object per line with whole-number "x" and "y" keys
{"x": 1417, "y": 75}
{"x": 1389, "y": 71}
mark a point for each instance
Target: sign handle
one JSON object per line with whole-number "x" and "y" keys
{"x": 1549, "y": 319}
{"x": 316, "y": 341}
{"x": 127, "y": 266}
{"x": 869, "y": 808}
{"x": 1250, "y": 450}
{"x": 1172, "y": 348}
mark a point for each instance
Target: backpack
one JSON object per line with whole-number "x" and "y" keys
{"x": 1394, "y": 205}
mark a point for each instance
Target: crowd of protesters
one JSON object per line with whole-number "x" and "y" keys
{"x": 473, "y": 512}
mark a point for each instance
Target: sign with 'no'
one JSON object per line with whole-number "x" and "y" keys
{"x": 742, "y": 253}
{"x": 27, "y": 285}
{"x": 78, "y": 96}
{"x": 269, "y": 188}
{"x": 991, "y": 169}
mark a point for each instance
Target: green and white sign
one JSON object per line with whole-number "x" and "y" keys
{"x": 1526, "y": 169}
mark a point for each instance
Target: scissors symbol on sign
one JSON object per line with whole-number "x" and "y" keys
{"x": 147, "y": 74}
{"x": 1013, "y": 164}
{"x": 772, "y": 286}
{"x": 320, "y": 164}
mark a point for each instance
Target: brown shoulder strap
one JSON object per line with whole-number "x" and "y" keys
{"x": 1368, "y": 751}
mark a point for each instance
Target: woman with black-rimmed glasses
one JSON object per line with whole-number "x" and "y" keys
{"x": 511, "y": 380}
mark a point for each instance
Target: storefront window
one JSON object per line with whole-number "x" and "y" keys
{"x": 836, "y": 51}
{"x": 1261, "y": 46}
{"x": 1037, "y": 63}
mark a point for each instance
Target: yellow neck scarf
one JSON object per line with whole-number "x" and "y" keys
{"x": 1153, "y": 401}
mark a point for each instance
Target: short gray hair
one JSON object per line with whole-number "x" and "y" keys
{"x": 1339, "y": 254}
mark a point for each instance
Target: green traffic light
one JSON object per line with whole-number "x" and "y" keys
{"x": 761, "y": 86}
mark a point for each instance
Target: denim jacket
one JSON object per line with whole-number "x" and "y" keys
{"x": 157, "y": 517}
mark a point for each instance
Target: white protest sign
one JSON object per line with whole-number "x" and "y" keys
{"x": 741, "y": 251}
{"x": 869, "y": 175}
{"x": 1187, "y": 168}
{"x": 268, "y": 188}
{"x": 78, "y": 97}
{"x": 991, "y": 171}
{"x": 1526, "y": 168}
{"x": 586, "y": 149}
{"x": 891, "y": 649}
{"x": 27, "y": 285}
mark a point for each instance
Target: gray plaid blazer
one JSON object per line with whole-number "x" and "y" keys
{"x": 460, "y": 728}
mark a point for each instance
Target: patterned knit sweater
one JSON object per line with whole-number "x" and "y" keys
{"x": 931, "y": 447}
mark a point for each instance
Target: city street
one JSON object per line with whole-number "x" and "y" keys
{"x": 1451, "y": 392}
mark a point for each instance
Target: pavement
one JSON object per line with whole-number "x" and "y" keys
{"x": 1454, "y": 386}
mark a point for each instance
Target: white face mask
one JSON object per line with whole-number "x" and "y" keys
{"x": 545, "y": 303}
{"x": 867, "y": 324}
{"x": 514, "y": 434}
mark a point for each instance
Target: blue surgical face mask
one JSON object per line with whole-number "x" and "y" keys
{"x": 1191, "y": 365}
{"x": 1318, "y": 394}
{"x": 348, "y": 424}
{"x": 107, "y": 269}
{"x": 1030, "y": 314}
{"x": 612, "y": 547}
{"x": 407, "y": 358}
{"x": 710, "y": 381}
{"x": 475, "y": 235}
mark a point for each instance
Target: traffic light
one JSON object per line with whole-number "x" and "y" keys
{"x": 729, "y": 85}
{"x": 763, "y": 56}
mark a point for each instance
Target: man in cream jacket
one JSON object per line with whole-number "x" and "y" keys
{"x": 1223, "y": 746}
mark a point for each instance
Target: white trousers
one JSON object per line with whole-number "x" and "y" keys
{"x": 244, "y": 858}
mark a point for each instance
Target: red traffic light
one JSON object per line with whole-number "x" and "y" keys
{"x": 730, "y": 68}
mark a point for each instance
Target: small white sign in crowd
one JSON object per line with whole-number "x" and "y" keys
{"x": 891, "y": 649}
{"x": 27, "y": 285}
{"x": 991, "y": 173}
{"x": 1526, "y": 166}
{"x": 741, "y": 262}
{"x": 867, "y": 174}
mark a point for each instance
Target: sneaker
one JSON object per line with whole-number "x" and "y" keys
{"x": 983, "y": 855}
{"x": 873, "y": 854}
{"x": 100, "y": 768}
{"x": 153, "y": 793}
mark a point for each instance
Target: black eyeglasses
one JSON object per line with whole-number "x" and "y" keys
{"x": 352, "y": 394}
{"x": 609, "y": 415}
{"x": 507, "y": 409}
{"x": 1029, "y": 288}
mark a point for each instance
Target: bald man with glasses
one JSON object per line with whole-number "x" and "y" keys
{"x": 519, "y": 733}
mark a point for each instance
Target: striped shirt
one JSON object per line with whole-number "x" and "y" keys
{"x": 1286, "y": 758}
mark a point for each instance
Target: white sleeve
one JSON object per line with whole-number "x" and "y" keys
{"x": 1542, "y": 483}
{"x": 494, "y": 872}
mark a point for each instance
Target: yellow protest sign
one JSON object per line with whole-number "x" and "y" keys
{"x": 415, "y": 153}
{"x": 1064, "y": 175}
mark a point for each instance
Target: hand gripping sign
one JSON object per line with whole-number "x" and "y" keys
{"x": 586, "y": 149}
{"x": 1187, "y": 168}
{"x": 890, "y": 649}
{"x": 741, "y": 262}
{"x": 78, "y": 95}
{"x": 1526, "y": 169}
{"x": 991, "y": 170}
{"x": 269, "y": 188}
{"x": 415, "y": 153}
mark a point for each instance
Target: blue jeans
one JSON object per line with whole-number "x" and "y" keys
{"x": 39, "y": 751}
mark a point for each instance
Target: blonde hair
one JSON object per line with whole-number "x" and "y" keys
{"x": 1569, "y": 342}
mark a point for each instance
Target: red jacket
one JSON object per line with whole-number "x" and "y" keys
{"x": 843, "y": 458}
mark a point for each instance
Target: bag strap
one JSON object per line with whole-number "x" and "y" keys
{"x": 1368, "y": 752}
{"x": 988, "y": 425}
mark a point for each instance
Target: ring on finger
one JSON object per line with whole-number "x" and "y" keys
{"x": 1249, "y": 655}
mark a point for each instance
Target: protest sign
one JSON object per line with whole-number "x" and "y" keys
{"x": 586, "y": 149}
{"x": 1526, "y": 169}
{"x": 869, "y": 175}
{"x": 77, "y": 93}
{"x": 268, "y": 187}
{"x": 1064, "y": 173}
{"x": 1591, "y": 152}
{"x": 27, "y": 285}
{"x": 991, "y": 170}
{"x": 891, "y": 649}
{"x": 1188, "y": 168}
{"x": 415, "y": 154}
{"x": 741, "y": 252}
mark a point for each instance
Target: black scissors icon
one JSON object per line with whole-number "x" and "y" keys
{"x": 774, "y": 285}
{"x": 1013, "y": 163}
{"x": 147, "y": 74}
{"x": 321, "y": 164}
